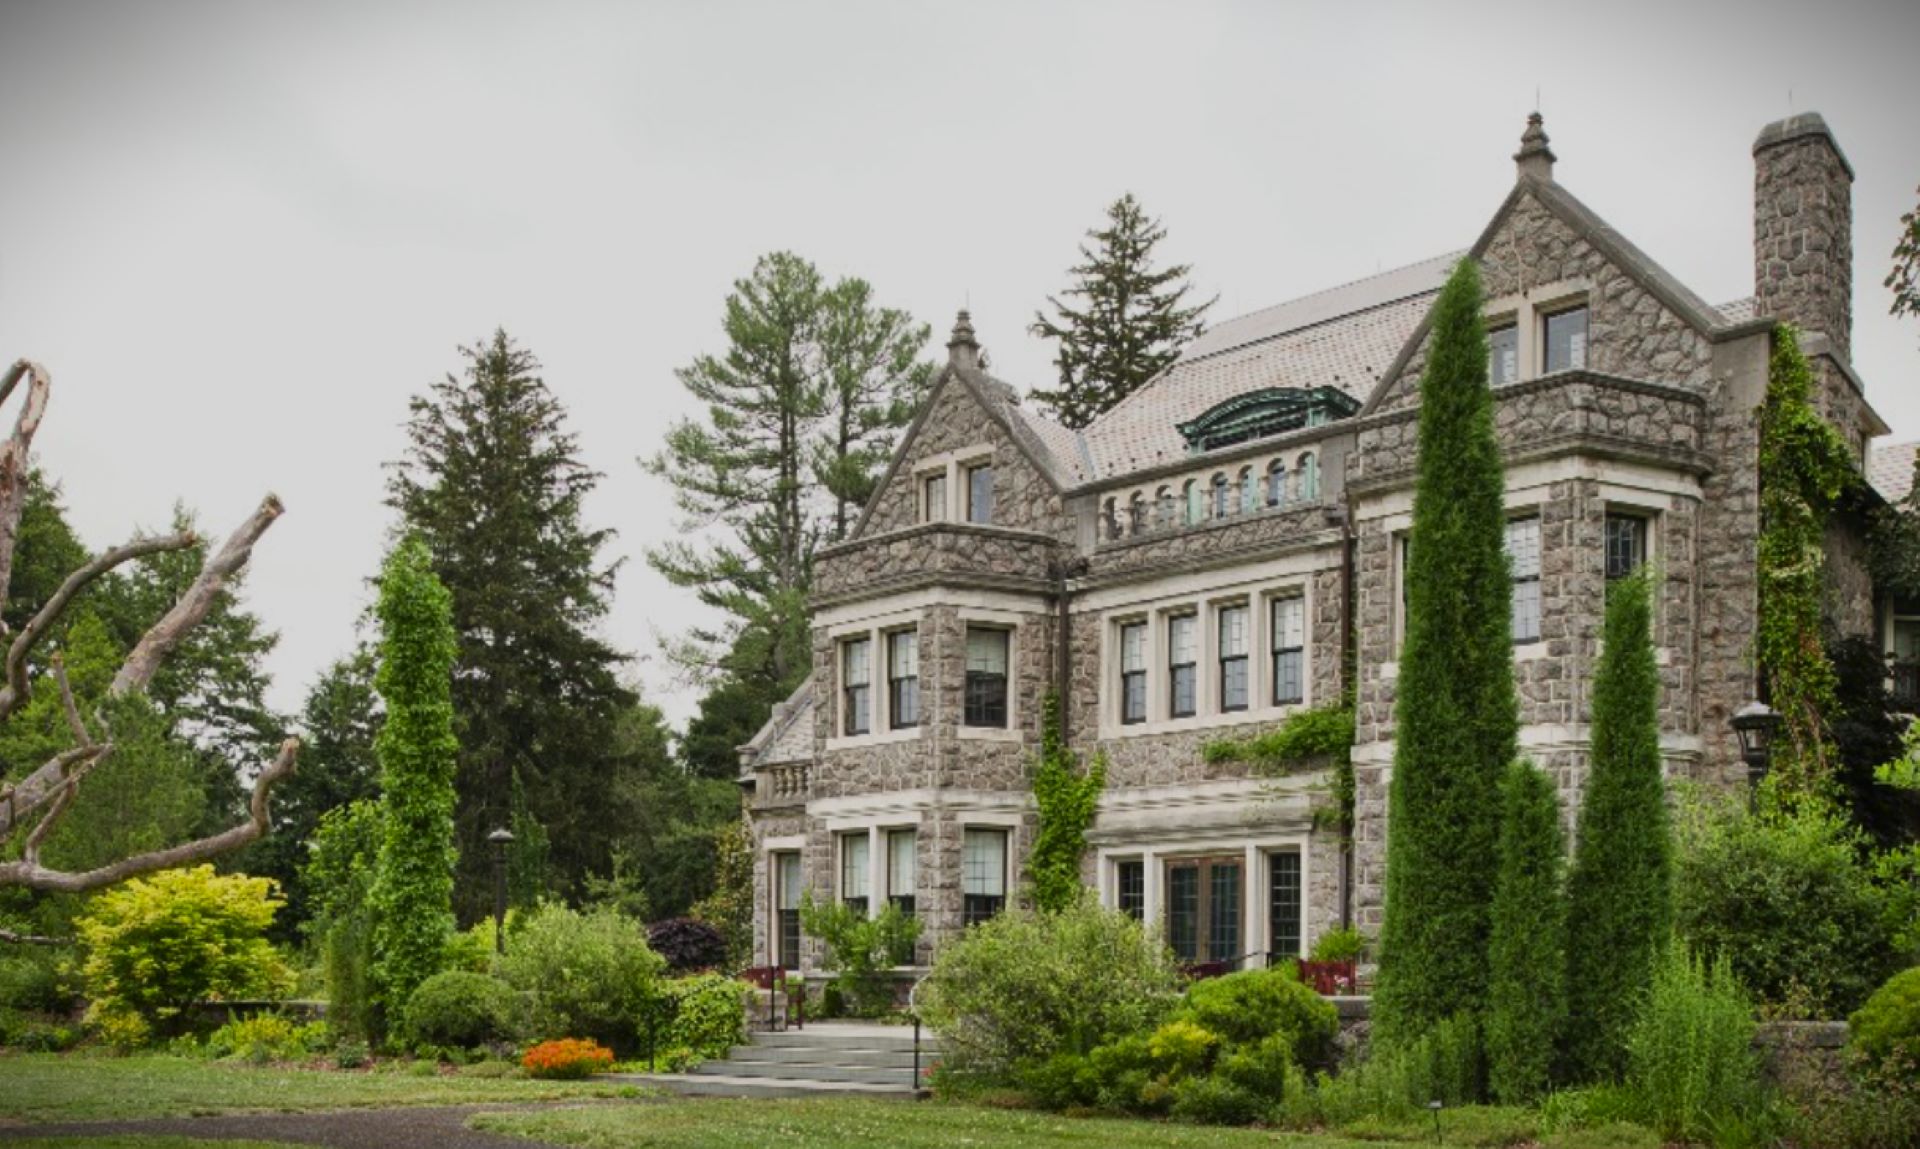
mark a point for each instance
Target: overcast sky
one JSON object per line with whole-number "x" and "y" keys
{"x": 242, "y": 235}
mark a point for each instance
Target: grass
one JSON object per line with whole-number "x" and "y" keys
{"x": 44, "y": 1087}
{"x": 827, "y": 1123}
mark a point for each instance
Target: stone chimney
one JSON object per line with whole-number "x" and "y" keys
{"x": 1535, "y": 158}
{"x": 1803, "y": 229}
{"x": 963, "y": 350}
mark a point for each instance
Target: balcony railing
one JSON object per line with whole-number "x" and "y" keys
{"x": 785, "y": 783}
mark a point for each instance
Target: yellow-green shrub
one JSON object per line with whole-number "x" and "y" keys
{"x": 157, "y": 945}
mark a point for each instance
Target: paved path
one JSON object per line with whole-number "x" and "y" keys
{"x": 443, "y": 1127}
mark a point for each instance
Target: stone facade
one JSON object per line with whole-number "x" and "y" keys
{"x": 1225, "y": 590}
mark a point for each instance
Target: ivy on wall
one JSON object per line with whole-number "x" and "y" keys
{"x": 1804, "y": 469}
{"x": 1304, "y": 740}
{"x": 1067, "y": 799}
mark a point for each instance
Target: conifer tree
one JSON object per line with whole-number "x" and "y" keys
{"x": 1129, "y": 325}
{"x": 1620, "y": 909}
{"x": 492, "y": 483}
{"x": 1457, "y": 721}
{"x": 1526, "y": 953}
{"x": 800, "y": 414}
{"x": 412, "y": 897}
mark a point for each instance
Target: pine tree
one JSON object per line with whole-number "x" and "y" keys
{"x": 1526, "y": 953}
{"x": 1131, "y": 324}
{"x": 412, "y": 896}
{"x": 1456, "y": 714}
{"x": 492, "y": 483}
{"x": 1620, "y": 909}
{"x": 801, "y": 413}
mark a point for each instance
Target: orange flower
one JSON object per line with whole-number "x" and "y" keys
{"x": 569, "y": 1059}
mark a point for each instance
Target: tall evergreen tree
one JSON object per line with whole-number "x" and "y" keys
{"x": 1130, "y": 324}
{"x": 801, "y": 410}
{"x": 412, "y": 896}
{"x": 492, "y": 483}
{"x": 1620, "y": 907}
{"x": 1456, "y": 715}
{"x": 1527, "y": 951}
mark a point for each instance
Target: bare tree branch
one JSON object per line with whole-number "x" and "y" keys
{"x": 18, "y": 687}
{"x": 80, "y": 732}
{"x": 163, "y": 636}
{"x": 20, "y": 802}
{"x": 12, "y": 938}
{"x": 35, "y": 877}
{"x": 14, "y": 455}
{"x": 87, "y": 758}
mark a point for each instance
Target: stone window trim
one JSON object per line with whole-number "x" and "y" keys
{"x": 986, "y": 885}
{"x": 875, "y": 830}
{"x": 877, "y": 633}
{"x": 1400, "y": 529}
{"x": 952, "y": 466}
{"x": 784, "y": 858}
{"x": 1256, "y": 885}
{"x": 1526, "y": 313}
{"x": 979, "y": 494}
{"x": 1204, "y": 607}
{"x": 902, "y": 655}
{"x": 856, "y": 685}
{"x": 1012, "y": 624}
{"x": 1527, "y": 573}
{"x": 1134, "y": 652}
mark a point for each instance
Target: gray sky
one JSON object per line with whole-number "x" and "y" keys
{"x": 241, "y": 235}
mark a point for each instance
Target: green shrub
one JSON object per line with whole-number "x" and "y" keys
{"x": 1890, "y": 1021}
{"x": 156, "y": 945}
{"x": 29, "y": 1033}
{"x": 351, "y": 1054}
{"x": 266, "y": 1037}
{"x": 338, "y": 877}
{"x": 474, "y": 948}
{"x": 462, "y": 1010}
{"x": 1690, "y": 1058}
{"x": 1339, "y": 945}
{"x": 1063, "y": 1081}
{"x": 1251, "y": 1006}
{"x": 1181, "y": 1048}
{"x": 1024, "y": 986}
{"x": 31, "y": 982}
{"x": 589, "y": 974}
{"x": 1592, "y": 1107}
{"x": 1266, "y": 1068}
{"x": 706, "y": 1016}
{"x": 1216, "y": 1101}
{"x": 861, "y": 950}
{"x": 1121, "y": 1071}
{"x": 1397, "y": 1080}
{"x": 1785, "y": 897}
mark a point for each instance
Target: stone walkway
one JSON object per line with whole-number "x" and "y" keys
{"x": 444, "y": 1127}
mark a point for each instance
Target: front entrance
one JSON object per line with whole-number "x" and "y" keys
{"x": 1204, "y": 908}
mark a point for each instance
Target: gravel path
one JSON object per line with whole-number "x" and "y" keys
{"x": 444, "y": 1127}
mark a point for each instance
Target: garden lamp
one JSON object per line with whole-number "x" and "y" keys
{"x": 1756, "y": 723}
{"x": 499, "y": 840}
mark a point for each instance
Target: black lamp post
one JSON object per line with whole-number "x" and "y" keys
{"x": 1757, "y": 724}
{"x": 499, "y": 840}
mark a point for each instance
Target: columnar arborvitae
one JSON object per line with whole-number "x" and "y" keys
{"x": 1456, "y": 716}
{"x": 412, "y": 896}
{"x": 1620, "y": 909}
{"x": 1526, "y": 955}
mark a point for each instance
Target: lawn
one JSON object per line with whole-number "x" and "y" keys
{"x": 43, "y": 1087}
{"x": 714, "y": 1123}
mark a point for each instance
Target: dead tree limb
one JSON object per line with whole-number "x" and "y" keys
{"x": 11, "y": 938}
{"x": 35, "y": 877}
{"x": 163, "y": 636}
{"x": 52, "y": 788}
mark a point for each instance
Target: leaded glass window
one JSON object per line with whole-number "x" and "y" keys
{"x": 980, "y": 494}
{"x": 983, "y": 875}
{"x": 986, "y": 686}
{"x": 1503, "y": 361}
{"x": 1183, "y": 652}
{"x": 1234, "y": 641}
{"x": 1289, "y": 650}
{"x": 903, "y": 678}
{"x": 1133, "y": 672}
{"x": 856, "y": 878}
{"x": 857, "y": 686}
{"x": 1283, "y": 905}
{"x": 1626, "y": 542}
{"x": 1523, "y": 551}
{"x": 1566, "y": 339}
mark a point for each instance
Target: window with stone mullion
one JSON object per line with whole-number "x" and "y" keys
{"x": 1183, "y": 651}
{"x": 856, "y": 879}
{"x": 1133, "y": 672}
{"x": 986, "y": 683}
{"x": 1233, "y": 658}
{"x": 1289, "y": 651}
{"x": 857, "y": 689}
{"x": 1523, "y": 552}
{"x": 903, "y": 679}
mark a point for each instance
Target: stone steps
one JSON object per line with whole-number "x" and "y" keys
{"x": 824, "y": 1059}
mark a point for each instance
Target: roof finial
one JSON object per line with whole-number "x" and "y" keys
{"x": 1535, "y": 158}
{"x": 963, "y": 350}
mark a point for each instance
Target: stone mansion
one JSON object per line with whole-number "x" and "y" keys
{"x": 1224, "y": 548}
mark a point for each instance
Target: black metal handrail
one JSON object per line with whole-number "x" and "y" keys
{"x": 913, "y": 1011}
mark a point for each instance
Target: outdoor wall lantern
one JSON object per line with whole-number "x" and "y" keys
{"x": 499, "y": 840}
{"x": 1757, "y": 724}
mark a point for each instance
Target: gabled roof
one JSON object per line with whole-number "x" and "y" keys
{"x": 1342, "y": 338}
{"x": 787, "y": 735}
{"x": 1890, "y": 469}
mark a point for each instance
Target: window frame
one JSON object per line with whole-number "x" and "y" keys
{"x": 1509, "y": 324}
{"x": 908, "y": 902}
{"x": 903, "y": 691}
{"x": 1519, "y": 580}
{"x": 1229, "y": 664}
{"x": 786, "y": 918}
{"x": 934, "y": 507}
{"x": 1274, "y": 638}
{"x": 976, "y": 908}
{"x": 1298, "y": 900}
{"x": 1130, "y": 896}
{"x": 1206, "y": 948}
{"x": 1642, "y": 540}
{"x": 1548, "y": 316}
{"x": 1191, "y": 667}
{"x": 1133, "y": 682}
{"x": 856, "y": 699}
{"x": 972, "y": 704}
{"x": 848, "y": 873}
{"x": 980, "y": 504}
{"x": 1276, "y": 484}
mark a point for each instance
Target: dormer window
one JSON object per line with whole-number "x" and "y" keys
{"x": 1503, "y": 361}
{"x": 1268, "y": 411}
{"x": 1565, "y": 336}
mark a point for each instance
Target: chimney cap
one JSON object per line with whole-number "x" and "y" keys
{"x": 1535, "y": 158}
{"x": 963, "y": 350}
{"x": 1796, "y": 127}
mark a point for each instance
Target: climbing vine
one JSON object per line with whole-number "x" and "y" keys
{"x": 1804, "y": 469}
{"x": 1308, "y": 735}
{"x": 1067, "y": 799}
